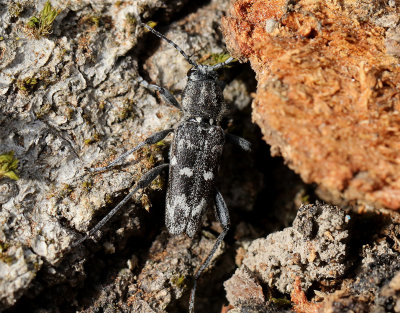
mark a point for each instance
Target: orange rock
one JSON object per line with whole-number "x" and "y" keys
{"x": 328, "y": 95}
{"x": 300, "y": 302}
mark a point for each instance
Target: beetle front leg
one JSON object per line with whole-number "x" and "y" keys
{"x": 168, "y": 97}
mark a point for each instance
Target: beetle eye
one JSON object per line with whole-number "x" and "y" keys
{"x": 191, "y": 72}
{"x": 196, "y": 74}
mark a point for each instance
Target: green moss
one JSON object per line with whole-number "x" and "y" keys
{"x": 45, "y": 78}
{"x": 158, "y": 183}
{"x": 108, "y": 199}
{"x": 161, "y": 143}
{"x": 36, "y": 266}
{"x": 131, "y": 20}
{"x": 15, "y": 9}
{"x": 179, "y": 281}
{"x": 65, "y": 191}
{"x": 7, "y": 259}
{"x": 95, "y": 20}
{"x": 8, "y": 165}
{"x": 95, "y": 138}
{"x": 4, "y": 247}
{"x": 27, "y": 84}
{"x": 127, "y": 111}
{"x": 305, "y": 199}
{"x": 69, "y": 112}
{"x": 87, "y": 185}
{"x": 46, "y": 108}
{"x": 41, "y": 25}
{"x": 4, "y": 257}
{"x": 102, "y": 105}
{"x": 215, "y": 58}
{"x": 280, "y": 301}
{"x": 149, "y": 153}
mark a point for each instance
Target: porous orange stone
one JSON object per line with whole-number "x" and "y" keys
{"x": 328, "y": 91}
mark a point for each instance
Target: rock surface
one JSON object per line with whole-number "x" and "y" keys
{"x": 327, "y": 98}
{"x": 326, "y": 262}
{"x": 375, "y": 287}
{"x": 70, "y": 99}
{"x": 314, "y": 249}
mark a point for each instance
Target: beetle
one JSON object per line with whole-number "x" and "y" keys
{"x": 195, "y": 155}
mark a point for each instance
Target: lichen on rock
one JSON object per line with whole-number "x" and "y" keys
{"x": 70, "y": 99}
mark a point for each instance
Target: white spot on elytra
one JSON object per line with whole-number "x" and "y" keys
{"x": 184, "y": 143}
{"x": 177, "y": 213}
{"x": 179, "y": 202}
{"x": 208, "y": 175}
{"x": 174, "y": 161}
{"x": 186, "y": 171}
{"x": 198, "y": 208}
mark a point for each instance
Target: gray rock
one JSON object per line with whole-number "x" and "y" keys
{"x": 243, "y": 288}
{"x": 18, "y": 267}
{"x": 375, "y": 287}
{"x": 314, "y": 248}
{"x": 69, "y": 100}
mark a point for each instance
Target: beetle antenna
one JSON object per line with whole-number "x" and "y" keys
{"x": 222, "y": 64}
{"x": 171, "y": 43}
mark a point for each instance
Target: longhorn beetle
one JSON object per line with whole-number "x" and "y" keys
{"x": 195, "y": 155}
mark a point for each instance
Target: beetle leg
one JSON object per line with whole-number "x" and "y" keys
{"x": 223, "y": 217}
{"x": 239, "y": 141}
{"x": 167, "y": 96}
{"x": 144, "y": 181}
{"x": 149, "y": 141}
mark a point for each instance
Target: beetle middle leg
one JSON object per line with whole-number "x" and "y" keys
{"x": 238, "y": 141}
{"x": 156, "y": 137}
{"x": 144, "y": 181}
{"x": 223, "y": 218}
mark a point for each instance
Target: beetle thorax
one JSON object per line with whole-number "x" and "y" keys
{"x": 203, "y": 96}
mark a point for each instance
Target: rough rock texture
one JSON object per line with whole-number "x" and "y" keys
{"x": 243, "y": 287}
{"x": 70, "y": 99}
{"x": 376, "y": 286}
{"x": 368, "y": 279}
{"x": 373, "y": 284}
{"x": 162, "y": 280}
{"x": 327, "y": 98}
{"x": 314, "y": 248}
{"x": 18, "y": 268}
{"x": 55, "y": 122}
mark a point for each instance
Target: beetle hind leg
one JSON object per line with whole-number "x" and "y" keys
{"x": 142, "y": 183}
{"x": 223, "y": 217}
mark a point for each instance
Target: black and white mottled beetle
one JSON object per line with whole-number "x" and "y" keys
{"x": 194, "y": 156}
